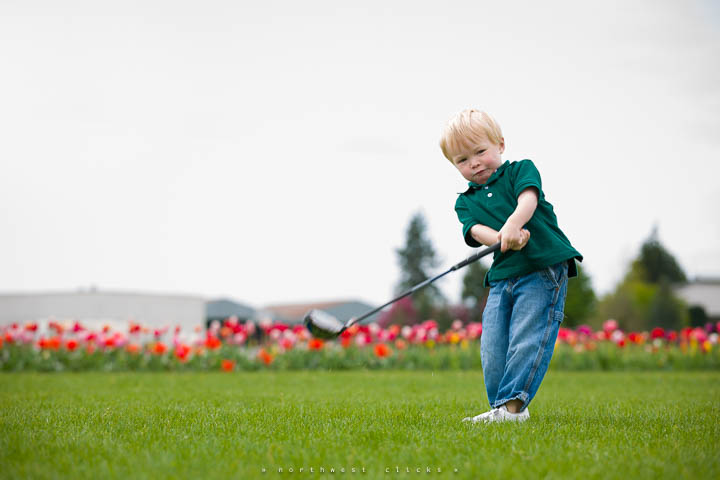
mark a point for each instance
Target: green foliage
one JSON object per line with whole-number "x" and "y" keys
{"x": 666, "y": 310}
{"x": 697, "y": 316}
{"x": 629, "y": 304}
{"x": 656, "y": 263}
{"x": 474, "y": 292}
{"x": 581, "y": 301}
{"x": 644, "y": 299}
{"x": 417, "y": 259}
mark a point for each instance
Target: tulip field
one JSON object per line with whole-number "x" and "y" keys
{"x": 233, "y": 346}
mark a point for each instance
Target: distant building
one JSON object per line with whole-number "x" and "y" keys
{"x": 223, "y": 308}
{"x": 342, "y": 310}
{"x": 705, "y": 293}
{"x": 95, "y": 309}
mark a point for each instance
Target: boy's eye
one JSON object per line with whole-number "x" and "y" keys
{"x": 461, "y": 160}
{"x": 480, "y": 152}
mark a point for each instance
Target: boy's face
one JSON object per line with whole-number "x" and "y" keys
{"x": 479, "y": 159}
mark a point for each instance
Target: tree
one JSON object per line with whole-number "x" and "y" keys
{"x": 474, "y": 293}
{"x": 644, "y": 299}
{"x": 655, "y": 263}
{"x": 666, "y": 310}
{"x": 417, "y": 258}
{"x": 580, "y": 303}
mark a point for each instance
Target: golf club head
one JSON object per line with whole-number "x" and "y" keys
{"x": 322, "y": 324}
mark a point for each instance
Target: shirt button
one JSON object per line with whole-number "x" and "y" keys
{"x": 489, "y": 194}
{"x": 486, "y": 187}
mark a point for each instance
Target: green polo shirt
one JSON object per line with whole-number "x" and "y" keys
{"x": 492, "y": 203}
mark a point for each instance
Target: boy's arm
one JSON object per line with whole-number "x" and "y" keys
{"x": 487, "y": 236}
{"x": 512, "y": 235}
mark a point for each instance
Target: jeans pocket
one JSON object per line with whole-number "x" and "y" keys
{"x": 548, "y": 277}
{"x": 553, "y": 276}
{"x": 559, "y": 316}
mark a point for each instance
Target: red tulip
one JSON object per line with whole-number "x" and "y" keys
{"x": 382, "y": 350}
{"x": 316, "y": 344}
{"x": 657, "y": 332}
{"x": 227, "y": 365}
{"x": 159, "y": 348}
{"x": 71, "y": 345}
{"x": 181, "y": 352}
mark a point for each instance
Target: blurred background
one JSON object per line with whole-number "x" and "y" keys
{"x": 272, "y": 153}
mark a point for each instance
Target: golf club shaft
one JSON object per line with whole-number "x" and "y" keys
{"x": 419, "y": 286}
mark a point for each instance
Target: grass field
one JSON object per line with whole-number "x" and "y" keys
{"x": 389, "y": 424}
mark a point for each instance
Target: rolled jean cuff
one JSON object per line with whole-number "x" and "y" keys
{"x": 522, "y": 396}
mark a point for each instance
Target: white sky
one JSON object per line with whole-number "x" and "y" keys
{"x": 274, "y": 151}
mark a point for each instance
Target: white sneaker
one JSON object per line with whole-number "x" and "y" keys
{"x": 481, "y": 418}
{"x": 499, "y": 414}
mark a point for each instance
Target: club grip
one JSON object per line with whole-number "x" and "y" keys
{"x": 477, "y": 256}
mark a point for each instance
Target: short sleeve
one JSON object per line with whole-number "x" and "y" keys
{"x": 467, "y": 221}
{"x": 525, "y": 175}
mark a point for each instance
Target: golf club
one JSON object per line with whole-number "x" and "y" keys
{"x": 324, "y": 325}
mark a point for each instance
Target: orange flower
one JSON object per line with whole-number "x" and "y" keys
{"x": 382, "y": 350}
{"x": 227, "y": 365}
{"x": 213, "y": 343}
{"x": 132, "y": 348}
{"x": 316, "y": 344}
{"x": 159, "y": 348}
{"x": 400, "y": 344}
{"x": 52, "y": 343}
{"x": 265, "y": 357}
{"x": 345, "y": 342}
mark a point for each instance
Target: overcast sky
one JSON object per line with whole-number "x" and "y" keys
{"x": 274, "y": 151}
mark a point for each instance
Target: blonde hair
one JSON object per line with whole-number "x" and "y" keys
{"x": 468, "y": 127}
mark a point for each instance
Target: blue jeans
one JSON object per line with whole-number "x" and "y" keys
{"x": 520, "y": 325}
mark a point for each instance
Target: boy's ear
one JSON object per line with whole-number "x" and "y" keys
{"x": 502, "y": 144}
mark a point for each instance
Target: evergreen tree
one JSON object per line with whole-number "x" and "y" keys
{"x": 655, "y": 263}
{"x": 417, "y": 258}
{"x": 581, "y": 302}
{"x": 666, "y": 310}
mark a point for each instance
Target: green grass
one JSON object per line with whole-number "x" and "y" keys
{"x": 215, "y": 425}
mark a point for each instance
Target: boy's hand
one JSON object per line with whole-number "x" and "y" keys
{"x": 512, "y": 238}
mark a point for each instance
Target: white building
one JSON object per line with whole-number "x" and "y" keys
{"x": 703, "y": 292}
{"x": 94, "y": 309}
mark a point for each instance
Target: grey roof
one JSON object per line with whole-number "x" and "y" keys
{"x": 223, "y": 308}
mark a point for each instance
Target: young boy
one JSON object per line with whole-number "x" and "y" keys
{"x": 528, "y": 278}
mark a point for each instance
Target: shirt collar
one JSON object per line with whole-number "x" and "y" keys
{"x": 496, "y": 174}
